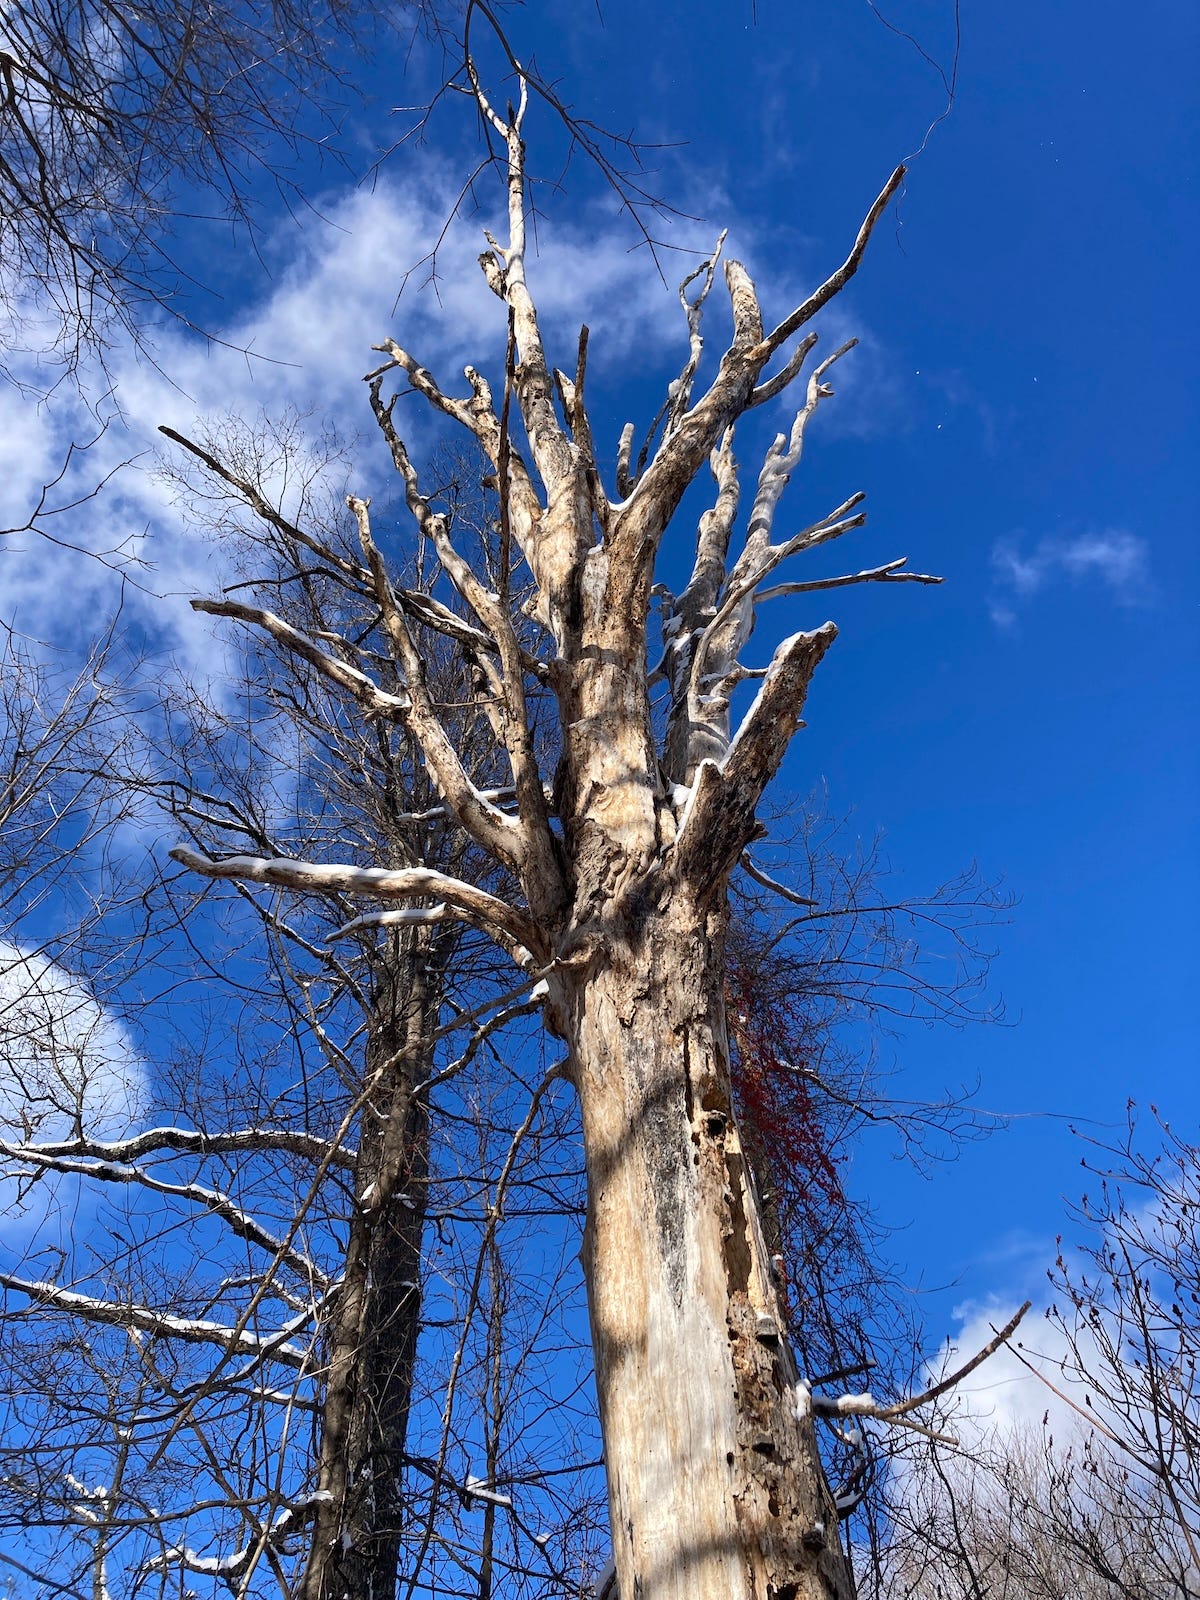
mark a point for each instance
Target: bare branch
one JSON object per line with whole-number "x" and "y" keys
{"x": 838, "y": 280}
{"x": 383, "y": 883}
{"x": 274, "y": 1347}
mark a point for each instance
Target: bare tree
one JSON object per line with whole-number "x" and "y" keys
{"x": 299, "y": 1141}
{"x": 1025, "y": 1514}
{"x": 622, "y": 855}
{"x": 310, "y": 1116}
{"x": 1104, "y": 1503}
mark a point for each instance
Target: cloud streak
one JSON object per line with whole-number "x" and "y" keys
{"x": 1117, "y": 560}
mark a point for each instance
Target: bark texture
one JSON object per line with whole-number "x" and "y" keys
{"x": 715, "y": 1484}
{"x": 372, "y": 1341}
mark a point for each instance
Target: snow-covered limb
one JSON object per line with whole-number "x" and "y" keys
{"x": 846, "y": 1405}
{"x": 503, "y": 703}
{"x": 163, "y": 1325}
{"x": 491, "y": 828}
{"x": 414, "y": 917}
{"x": 363, "y": 688}
{"x": 440, "y": 813}
{"x": 212, "y": 1202}
{"x": 186, "y": 1141}
{"x": 478, "y": 1489}
{"x": 433, "y": 614}
{"x": 752, "y": 870}
{"x": 405, "y": 917}
{"x": 270, "y": 1536}
{"x": 865, "y": 1405}
{"x": 720, "y": 817}
{"x": 384, "y": 883}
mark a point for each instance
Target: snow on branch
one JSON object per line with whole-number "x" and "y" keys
{"x": 271, "y": 1536}
{"x": 137, "y": 1318}
{"x": 720, "y": 816}
{"x": 186, "y": 1141}
{"x": 363, "y": 688}
{"x": 509, "y": 925}
{"x": 211, "y": 1202}
{"x": 864, "y": 1405}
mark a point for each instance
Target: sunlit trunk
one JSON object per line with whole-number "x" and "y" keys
{"x": 716, "y": 1490}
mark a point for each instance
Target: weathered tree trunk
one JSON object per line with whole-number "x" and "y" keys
{"x": 716, "y": 1489}
{"x": 354, "y": 1553}
{"x": 715, "y": 1485}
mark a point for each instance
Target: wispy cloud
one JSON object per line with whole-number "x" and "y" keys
{"x": 1117, "y": 560}
{"x": 300, "y": 348}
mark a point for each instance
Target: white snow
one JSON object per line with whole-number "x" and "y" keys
{"x": 803, "y": 1401}
{"x": 845, "y": 1405}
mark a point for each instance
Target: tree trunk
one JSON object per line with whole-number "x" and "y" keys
{"x": 716, "y": 1488}
{"x": 354, "y": 1554}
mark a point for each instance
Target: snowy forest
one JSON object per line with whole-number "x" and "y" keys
{"x": 469, "y": 1054}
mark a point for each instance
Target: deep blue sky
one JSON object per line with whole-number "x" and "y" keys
{"x": 1023, "y": 418}
{"x": 1027, "y": 427}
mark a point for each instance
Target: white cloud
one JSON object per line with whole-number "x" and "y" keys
{"x": 67, "y": 1067}
{"x": 303, "y": 346}
{"x": 1113, "y": 557}
{"x": 65, "y": 1063}
{"x": 1003, "y": 1395}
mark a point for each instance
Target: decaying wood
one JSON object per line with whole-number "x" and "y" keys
{"x": 623, "y": 857}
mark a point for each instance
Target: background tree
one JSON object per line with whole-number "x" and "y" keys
{"x": 1101, "y": 1502}
{"x": 121, "y": 127}
{"x": 293, "y": 1177}
{"x": 111, "y": 115}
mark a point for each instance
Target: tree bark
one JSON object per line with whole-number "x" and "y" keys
{"x": 715, "y": 1485}
{"x": 356, "y": 1533}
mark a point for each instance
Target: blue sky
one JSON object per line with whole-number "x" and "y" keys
{"x": 1022, "y": 415}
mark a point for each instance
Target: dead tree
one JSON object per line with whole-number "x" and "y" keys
{"x": 621, "y": 857}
